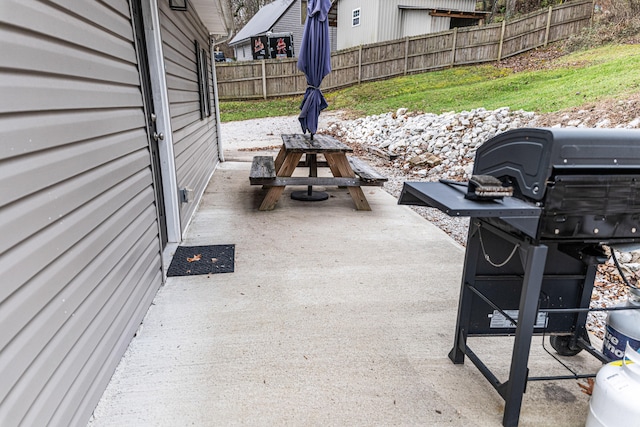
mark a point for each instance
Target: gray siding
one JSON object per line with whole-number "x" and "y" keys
{"x": 290, "y": 22}
{"x": 80, "y": 254}
{"x": 194, "y": 139}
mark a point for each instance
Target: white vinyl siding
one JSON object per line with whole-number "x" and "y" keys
{"x": 194, "y": 139}
{"x": 415, "y": 22}
{"x": 364, "y": 33}
{"x": 80, "y": 253}
{"x": 384, "y": 20}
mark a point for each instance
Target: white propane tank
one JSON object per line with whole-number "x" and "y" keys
{"x": 622, "y": 326}
{"x": 614, "y": 402}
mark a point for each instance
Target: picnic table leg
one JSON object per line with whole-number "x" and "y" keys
{"x": 339, "y": 166}
{"x": 289, "y": 164}
{"x": 280, "y": 159}
{"x": 278, "y": 163}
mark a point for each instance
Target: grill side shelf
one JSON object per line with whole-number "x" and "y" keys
{"x": 522, "y": 215}
{"x": 452, "y": 202}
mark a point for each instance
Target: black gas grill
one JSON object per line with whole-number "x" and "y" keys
{"x": 542, "y": 204}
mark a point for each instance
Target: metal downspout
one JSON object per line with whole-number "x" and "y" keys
{"x": 216, "y": 101}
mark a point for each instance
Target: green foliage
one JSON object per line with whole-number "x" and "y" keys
{"x": 257, "y": 109}
{"x": 572, "y": 81}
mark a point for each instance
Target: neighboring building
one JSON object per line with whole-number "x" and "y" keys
{"x": 363, "y": 22}
{"x": 109, "y": 135}
{"x": 279, "y": 16}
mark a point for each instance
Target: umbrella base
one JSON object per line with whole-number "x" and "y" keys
{"x": 309, "y": 195}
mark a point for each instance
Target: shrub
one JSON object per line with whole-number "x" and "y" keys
{"x": 614, "y": 21}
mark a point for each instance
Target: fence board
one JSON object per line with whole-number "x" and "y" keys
{"x": 469, "y": 45}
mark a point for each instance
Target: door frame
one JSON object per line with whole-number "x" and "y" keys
{"x": 151, "y": 20}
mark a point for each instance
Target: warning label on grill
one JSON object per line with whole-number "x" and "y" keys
{"x": 498, "y": 320}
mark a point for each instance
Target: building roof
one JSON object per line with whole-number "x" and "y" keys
{"x": 215, "y": 15}
{"x": 262, "y": 21}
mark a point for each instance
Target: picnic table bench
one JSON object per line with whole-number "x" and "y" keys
{"x": 347, "y": 171}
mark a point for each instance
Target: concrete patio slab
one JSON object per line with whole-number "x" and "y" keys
{"x": 333, "y": 317}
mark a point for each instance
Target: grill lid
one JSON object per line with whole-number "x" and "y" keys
{"x": 527, "y": 158}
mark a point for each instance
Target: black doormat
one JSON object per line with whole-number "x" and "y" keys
{"x": 197, "y": 260}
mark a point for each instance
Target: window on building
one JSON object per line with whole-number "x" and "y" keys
{"x": 355, "y": 17}
{"x": 303, "y": 11}
{"x": 202, "y": 68}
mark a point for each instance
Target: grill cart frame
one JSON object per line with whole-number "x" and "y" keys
{"x": 531, "y": 259}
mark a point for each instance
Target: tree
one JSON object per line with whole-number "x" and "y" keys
{"x": 244, "y": 10}
{"x": 510, "y": 9}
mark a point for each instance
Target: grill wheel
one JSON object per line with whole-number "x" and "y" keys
{"x": 561, "y": 344}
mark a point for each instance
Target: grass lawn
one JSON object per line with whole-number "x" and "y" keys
{"x": 571, "y": 80}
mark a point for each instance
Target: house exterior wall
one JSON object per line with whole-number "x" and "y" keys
{"x": 290, "y": 22}
{"x": 243, "y": 52}
{"x": 369, "y": 28}
{"x": 80, "y": 256}
{"x": 415, "y": 22}
{"x": 384, "y": 20}
{"x": 80, "y": 253}
{"x": 195, "y": 139}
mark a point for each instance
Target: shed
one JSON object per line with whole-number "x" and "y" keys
{"x": 109, "y": 130}
{"x": 363, "y": 22}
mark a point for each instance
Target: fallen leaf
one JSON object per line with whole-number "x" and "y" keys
{"x": 195, "y": 258}
{"x": 587, "y": 389}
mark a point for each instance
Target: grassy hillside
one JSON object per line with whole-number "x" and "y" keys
{"x": 568, "y": 81}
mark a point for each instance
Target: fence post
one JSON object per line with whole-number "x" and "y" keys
{"x": 546, "y": 33}
{"x": 504, "y": 23}
{"x": 264, "y": 80}
{"x": 406, "y": 55}
{"x": 453, "y": 47}
{"x": 360, "y": 64}
{"x": 234, "y": 74}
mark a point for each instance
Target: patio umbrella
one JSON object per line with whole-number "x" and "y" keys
{"x": 314, "y": 61}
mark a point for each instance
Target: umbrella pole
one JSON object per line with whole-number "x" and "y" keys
{"x": 310, "y": 195}
{"x": 313, "y": 167}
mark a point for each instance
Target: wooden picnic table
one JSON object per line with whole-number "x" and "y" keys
{"x": 347, "y": 171}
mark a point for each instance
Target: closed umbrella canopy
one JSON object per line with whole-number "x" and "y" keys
{"x": 315, "y": 62}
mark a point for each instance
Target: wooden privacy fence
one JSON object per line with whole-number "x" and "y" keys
{"x": 459, "y": 46}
